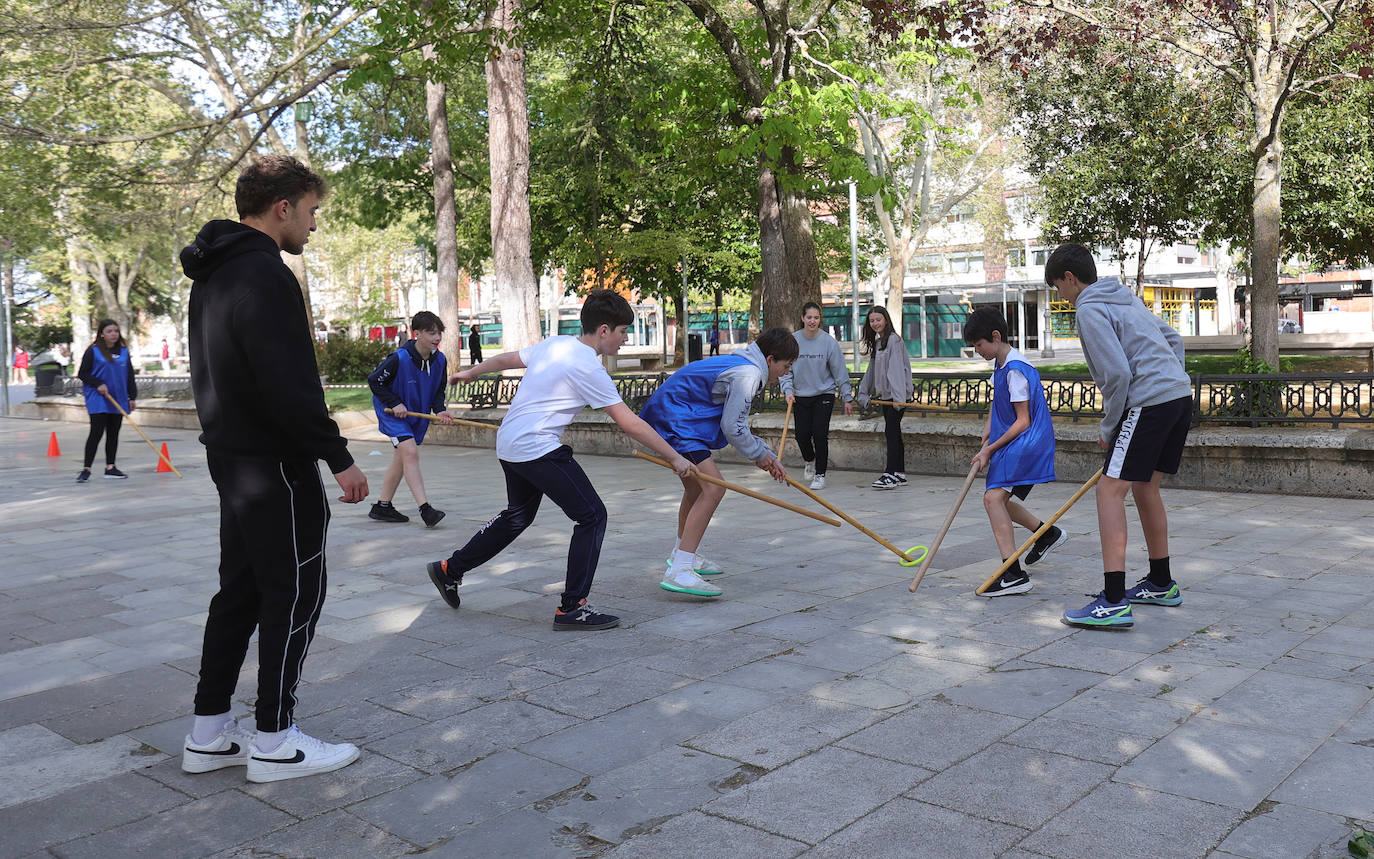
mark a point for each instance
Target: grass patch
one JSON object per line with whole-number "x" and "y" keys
{"x": 348, "y": 399}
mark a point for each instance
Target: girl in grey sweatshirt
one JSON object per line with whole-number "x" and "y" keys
{"x": 810, "y": 388}
{"x": 888, "y": 377}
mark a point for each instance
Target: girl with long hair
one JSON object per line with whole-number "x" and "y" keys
{"x": 810, "y": 387}
{"x": 107, "y": 371}
{"x": 888, "y": 377}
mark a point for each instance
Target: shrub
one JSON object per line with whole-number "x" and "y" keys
{"x": 345, "y": 361}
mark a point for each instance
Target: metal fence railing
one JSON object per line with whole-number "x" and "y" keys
{"x": 1247, "y": 400}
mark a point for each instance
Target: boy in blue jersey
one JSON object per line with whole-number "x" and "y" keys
{"x": 411, "y": 379}
{"x": 1017, "y": 450}
{"x": 701, "y": 408}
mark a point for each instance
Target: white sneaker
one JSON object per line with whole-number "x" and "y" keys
{"x": 818, "y": 482}
{"x": 704, "y": 566}
{"x": 228, "y": 749}
{"x": 810, "y": 470}
{"x": 688, "y": 582}
{"x": 299, "y": 755}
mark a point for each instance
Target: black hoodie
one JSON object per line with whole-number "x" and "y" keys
{"x": 253, "y": 370}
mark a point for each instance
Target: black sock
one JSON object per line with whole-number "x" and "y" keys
{"x": 1159, "y": 572}
{"x": 1114, "y": 586}
{"x": 1013, "y": 572}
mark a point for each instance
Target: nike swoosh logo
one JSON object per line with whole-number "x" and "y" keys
{"x": 300, "y": 756}
{"x": 233, "y": 749}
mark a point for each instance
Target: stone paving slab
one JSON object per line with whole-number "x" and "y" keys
{"x": 817, "y": 708}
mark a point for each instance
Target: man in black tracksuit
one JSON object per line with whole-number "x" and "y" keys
{"x": 265, "y": 425}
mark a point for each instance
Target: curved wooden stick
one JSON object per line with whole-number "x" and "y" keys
{"x": 133, "y": 424}
{"x": 1082, "y": 490}
{"x": 785, "y": 422}
{"x": 911, "y": 405}
{"x": 427, "y": 416}
{"x": 840, "y": 513}
{"x": 944, "y": 529}
{"x": 744, "y": 491}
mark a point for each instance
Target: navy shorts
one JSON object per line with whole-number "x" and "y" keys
{"x": 1149, "y": 439}
{"x": 696, "y": 457}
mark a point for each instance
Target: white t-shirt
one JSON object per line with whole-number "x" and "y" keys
{"x": 564, "y": 375}
{"x": 1018, "y": 387}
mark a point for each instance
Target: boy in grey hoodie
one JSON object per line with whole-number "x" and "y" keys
{"x": 1136, "y": 359}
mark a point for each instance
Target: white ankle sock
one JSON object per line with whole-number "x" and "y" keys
{"x": 677, "y": 544}
{"x": 269, "y": 741}
{"x": 209, "y": 727}
{"x": 682, "y": 562}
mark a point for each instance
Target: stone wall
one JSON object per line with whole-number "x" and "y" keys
{"x": 1290, "y": 460}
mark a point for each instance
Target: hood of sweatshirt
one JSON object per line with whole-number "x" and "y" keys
{"x": 1106, "y": 290}
{"x": 755, "y": 356}
{"x": 218, "y": 242}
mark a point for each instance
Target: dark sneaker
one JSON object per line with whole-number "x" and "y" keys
{"x": 447, "y": 585}
{"x": 389, "y": 513}
{"x": 583, "y": 617}
{"x": 113, "y": 473}
{"x": 299, "y": 755}
{"x": 1100, "y": 614}
{"x": 1009, "y": 583}
{"x": 1149, "y": 594}
{"x": 431, "y": 516}
{"x": 229, "y": 749}
{"x": 84, "y": 475}
{"x": 1048, "y": 540}
{"x": 885, "y": 481}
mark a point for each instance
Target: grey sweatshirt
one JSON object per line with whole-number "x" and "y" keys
{"x": 736, "y": 387}
{"x": 1135, "y": 357}
{"x": 819, "y": 369}
{"x": 888, "y": 376}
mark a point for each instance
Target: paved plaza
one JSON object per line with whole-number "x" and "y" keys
{"x": 818, "y": 708}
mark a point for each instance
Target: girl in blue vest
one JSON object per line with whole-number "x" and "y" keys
{"x": 411, "y": 379}
{"x": 106, "y": 369}
{"x": 701, "y": 408}
{"x": 1017, "y": 450}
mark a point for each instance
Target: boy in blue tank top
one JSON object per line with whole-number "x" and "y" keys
{"x": 411, "y": 379}
{"x": 1017, "y": 449}
{"x": 701, "y": 408}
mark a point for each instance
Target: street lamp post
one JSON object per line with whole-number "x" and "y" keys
{"x": 854, "y": 268}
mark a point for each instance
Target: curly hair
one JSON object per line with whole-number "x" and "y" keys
{"x": 272, "y": 178}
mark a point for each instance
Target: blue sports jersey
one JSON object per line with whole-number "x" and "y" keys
{"x": 417, "y": 388}
{"x": 681, "y": 409}
{"x": 1029, "y": 458}
{"x": 115, "y": 375}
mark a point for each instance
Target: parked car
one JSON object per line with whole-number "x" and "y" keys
{"x": 1289, "y": 326}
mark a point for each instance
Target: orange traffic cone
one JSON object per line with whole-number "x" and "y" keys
{"x": 53, "y": 449}
{"x": 164, "y": 462}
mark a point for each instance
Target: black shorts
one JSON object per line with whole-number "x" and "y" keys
{"x": 397, "y": 439}
{"x": 1149, "y": 439}
{"x": 697, "y": 457}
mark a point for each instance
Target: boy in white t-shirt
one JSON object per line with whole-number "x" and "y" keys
{"x": 564, "y": 375}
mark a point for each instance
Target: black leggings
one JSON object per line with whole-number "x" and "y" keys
{"x": 813, "y": 428}
{"x": 896, "y": 450}
{"x": 103, "y": 423}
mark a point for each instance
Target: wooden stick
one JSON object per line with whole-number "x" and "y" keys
{"x": 785, "y": 421}
{"x": 1082, "y": 490}
{"x": 910, "y": 405}
{"x": 840, "y": 513}
{"x": 133, "y": 424}
{"x": 427, "y": 416}
{"x": 944, "y": 529}
{"x": 744, "y": 491}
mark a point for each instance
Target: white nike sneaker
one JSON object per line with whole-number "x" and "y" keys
{"x": 299, "y": 755}
{"x": 228, "y": 749}
{"x": 810, "y": 470}
{"x": 818, "y": 482}
{"x": 688, "y": 582}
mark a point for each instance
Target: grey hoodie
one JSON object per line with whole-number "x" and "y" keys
{"x": 735, "y": 387}
{"x": 1135, "y": 357}
{"x": 888, "y": 376}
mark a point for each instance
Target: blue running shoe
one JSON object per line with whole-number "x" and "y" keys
{"x": 1100, "y": 614}
{"x": 1148, "y": 594}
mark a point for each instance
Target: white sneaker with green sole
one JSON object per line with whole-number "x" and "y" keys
{"x": 688, "y": 582}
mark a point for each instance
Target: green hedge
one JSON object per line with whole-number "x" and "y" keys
{"x": 345, "y": 361}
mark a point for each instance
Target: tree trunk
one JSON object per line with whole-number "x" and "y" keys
{"x": 508, "y": 139}
{"x": 804, "y": 272}
{"x": 1265, "y": 249}
{"x": 772, "y": 249}
{"x": 445, "y": 213}
{"x": 680, "y": 341}
{"x": 755, "y": 302}
{"x": 897, "y": 261}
